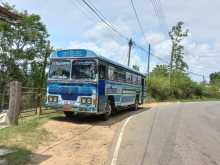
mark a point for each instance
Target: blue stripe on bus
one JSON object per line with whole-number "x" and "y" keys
{"x": 71, "y": 91}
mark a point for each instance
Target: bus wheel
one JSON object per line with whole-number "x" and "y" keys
{"x": 108, "y": 111}
{"x": 135, "y": 108}
{"x": 68, "y": 114}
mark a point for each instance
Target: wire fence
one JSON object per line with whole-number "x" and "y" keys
{"x": 4, "y": 97}
{"x": 32, "y": 101}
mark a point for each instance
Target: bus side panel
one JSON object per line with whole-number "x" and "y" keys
{"x": 124, "y": 94}
{"x": 102, "y": 98}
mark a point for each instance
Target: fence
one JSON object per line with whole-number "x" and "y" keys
{"x": 32, "y": 101}
{"x": 4, "y": 97}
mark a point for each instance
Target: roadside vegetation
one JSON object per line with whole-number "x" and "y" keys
{"x": 181, "y": 87}
{"x": 24, "y": 51}
{"x": 25, "y": 138}
{"x": 172, "y": 82}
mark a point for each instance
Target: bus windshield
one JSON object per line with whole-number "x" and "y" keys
{"x": 84, "y": 69}
{"x": 60, "y": 69}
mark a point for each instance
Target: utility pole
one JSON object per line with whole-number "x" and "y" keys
{"x": 171, "y": 64}
{"x": 148, "y": 63}
{"x": 130, "y": 44}
{"x": 203, "y": 77}
{"x": 148, "y": 71}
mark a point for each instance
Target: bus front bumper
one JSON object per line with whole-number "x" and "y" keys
{"x": 77, "y": 109}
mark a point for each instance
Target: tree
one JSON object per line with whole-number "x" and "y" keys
{"x": 24, "y": 50}
{"x": 215, "y": 78}
{"x": 136, "y": 67}
{"x": 160, "y": 70}
{"x": 177, "y": 34}
{"x": 22, "y": 44}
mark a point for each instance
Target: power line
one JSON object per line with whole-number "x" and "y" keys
{"x": 103, "y": 19}
{"x": 196, "y": 74}
{"x": 137, "y": 18}
{"x": 158, "y": 10}
{"x": 77, "y": 4}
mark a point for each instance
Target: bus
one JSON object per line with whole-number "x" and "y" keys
{"x": 80, "y": 81}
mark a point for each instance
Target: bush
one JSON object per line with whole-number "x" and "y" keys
{"x": 180, "y": 87}
{"x": 159, "y": 88}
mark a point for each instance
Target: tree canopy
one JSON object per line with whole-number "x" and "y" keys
{"x": 23, "y": 47}
{"x": 177, "y": 34}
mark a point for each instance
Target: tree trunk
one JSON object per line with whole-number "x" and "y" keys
{"x": 14, "y": 102}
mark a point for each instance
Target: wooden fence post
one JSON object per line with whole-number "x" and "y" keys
{"x": 14, "y": 103}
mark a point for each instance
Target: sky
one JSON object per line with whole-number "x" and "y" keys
{"x": 72, "y": 25}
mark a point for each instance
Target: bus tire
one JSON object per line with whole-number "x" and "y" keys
{"x": 135, "y": 108}
{"x": 68, "y": 114}
{"x": 108, "y": 111}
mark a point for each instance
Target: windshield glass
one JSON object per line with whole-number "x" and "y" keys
{"x": 84, "y": 69}
{"x": 60, "y": 69}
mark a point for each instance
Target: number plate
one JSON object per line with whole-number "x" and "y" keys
{"x": 67, "y": 107}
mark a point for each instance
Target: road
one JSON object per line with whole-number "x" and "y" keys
{"x": 174, "y": 134}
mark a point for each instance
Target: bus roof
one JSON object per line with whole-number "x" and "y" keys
{"x": 85, "y": 53}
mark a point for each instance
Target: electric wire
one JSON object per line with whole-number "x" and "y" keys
{"x": 137, "y": 18}
{"x": 103, "y": 19}
{"x": 108, "y": 24}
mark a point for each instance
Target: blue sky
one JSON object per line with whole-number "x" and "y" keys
{"x": 72, "y": 25}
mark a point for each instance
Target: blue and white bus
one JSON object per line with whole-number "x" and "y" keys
{"x": 80, "y": 81}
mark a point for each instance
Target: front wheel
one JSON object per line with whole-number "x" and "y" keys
{"x": 108, "y": 111}
{"x": 68, "y": 114}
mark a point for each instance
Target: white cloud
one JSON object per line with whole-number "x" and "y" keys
{"x": 106, "y": 43}
{"x": 67, "y": 25}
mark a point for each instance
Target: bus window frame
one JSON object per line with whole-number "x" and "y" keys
{"x": 106, "y": 70}
{"x": 84, "y": 59}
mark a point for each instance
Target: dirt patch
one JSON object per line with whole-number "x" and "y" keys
{"x": 156, "y": 104}
{"x": 81, "y": 142}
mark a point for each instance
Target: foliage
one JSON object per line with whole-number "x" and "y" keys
{"x": 23, "y": 45}
{"x": 177, "y": 34}
{"x": 182, "y": 86}
{"x": 215, "y": 78}
{"x": 20, "y": 156}
{"x": 25, "y": 137}
{"x": 136, "y": 67}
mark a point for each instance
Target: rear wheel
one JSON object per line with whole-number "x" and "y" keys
{"x": 108, "y": 111}
{"x": 68, "y": 114}
{"x": 135, "y": 107}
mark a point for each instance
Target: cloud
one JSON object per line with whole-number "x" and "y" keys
{"x": 70, "y": 27}
{"x": 106, "y": 43}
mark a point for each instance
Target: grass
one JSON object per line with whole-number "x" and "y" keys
{"x": 21, "y": 156}
{"x": 24, "y": 138}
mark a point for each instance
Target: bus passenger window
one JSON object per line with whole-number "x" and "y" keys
{"x": 128, "y": 77}
{"x": 139, "y": 80}
{"x": 102, "y": 72}
{"x": 134, "y": 78}
{"x": 111, "y": 73}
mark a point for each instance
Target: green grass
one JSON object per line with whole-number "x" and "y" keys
{"x": 21, "y": 156}
{"x": 24, "y": 138}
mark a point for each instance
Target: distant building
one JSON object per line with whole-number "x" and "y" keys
{"x": 8, "y": 16}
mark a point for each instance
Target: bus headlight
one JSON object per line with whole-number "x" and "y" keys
{"x": 83, "y": 100}
{"x": 89, "y": 100}
{"x": 53, "y": 99}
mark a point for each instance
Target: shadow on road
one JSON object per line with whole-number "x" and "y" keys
{"x": 97, "y": 120}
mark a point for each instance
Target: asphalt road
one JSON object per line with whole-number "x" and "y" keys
{"x": 175, "y": 134}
